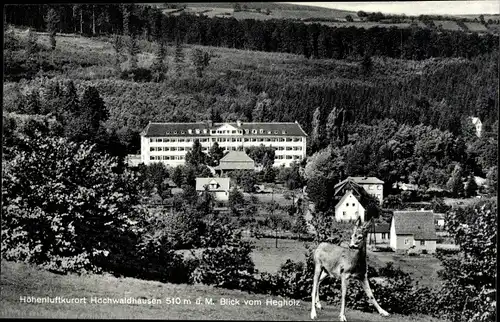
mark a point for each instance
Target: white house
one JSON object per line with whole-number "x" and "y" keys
{"x": 413, "y": 228}
{"x": 349, "y": 208}
{"x": 218, "y": 186}
{"x": 169, "y": 142}
{"x": 372, "y": 185}
{"x": 478, "y": 125}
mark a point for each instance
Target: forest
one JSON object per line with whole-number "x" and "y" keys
{"x": 310, "y": 40}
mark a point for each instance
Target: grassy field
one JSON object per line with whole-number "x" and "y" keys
{"x": 268, "y": 258}
{"x": 19, "y": 281}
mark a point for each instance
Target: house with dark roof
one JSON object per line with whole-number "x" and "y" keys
{"x": 349, "y": 208}
{"x": 380, "y": 234}
{"x": 372, "y": 185}
{"x": 235, "y": 160}
{"x": 413, "y": 228}
{"x": 219, "y": 187}
{"x": 169, "y": 142}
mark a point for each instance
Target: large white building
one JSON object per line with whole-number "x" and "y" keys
{"x": 169, "y": 142}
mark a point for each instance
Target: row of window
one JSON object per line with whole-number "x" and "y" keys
{"x": 166, "y": 157}
{"x": 407, "y": 241}
{"x": 246, "y": 131}
{"x": 353, "y": 204}
{"x": 288, "y": 157}
{"x": 202, "y": 140}
{"x": 379, "y": 187}
{"x": 188, "y": 148}
{"x": 181, "y": 157}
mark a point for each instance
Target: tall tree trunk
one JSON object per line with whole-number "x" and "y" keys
{"x": 93, "y": 19}
{"x": 81, "y": 20}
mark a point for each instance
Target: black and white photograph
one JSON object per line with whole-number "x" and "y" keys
{"x": 273, "y": 161}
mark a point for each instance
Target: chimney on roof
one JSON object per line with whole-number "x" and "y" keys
{"x": 238, "y": 122}
{"x": 209, "y": 123}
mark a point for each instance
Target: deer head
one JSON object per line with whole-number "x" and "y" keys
{"x": 359, "y": 233}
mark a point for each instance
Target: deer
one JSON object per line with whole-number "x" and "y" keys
{"x": 346, "y": 263}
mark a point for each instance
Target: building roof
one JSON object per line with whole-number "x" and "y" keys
{"x": 366, "y": 180}
{"x": 345, "y": 197}
{"x": 222, "y": 183}
{"x": 182, "y": 129}
{"x": 236, "y": 156}
{"x": 236, "y": 160}
{"x": 420, "y": 224}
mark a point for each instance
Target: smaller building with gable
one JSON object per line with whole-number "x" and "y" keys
{"x": 349, "y": 208}
{"x": 219, "y": 187}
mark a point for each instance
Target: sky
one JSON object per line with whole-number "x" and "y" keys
{"x": 415, "y": 8}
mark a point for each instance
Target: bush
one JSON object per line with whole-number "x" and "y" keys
{"x": 228, "y": 266}
{"x": 73, "y": 213}
{"x": 469, "y": 290}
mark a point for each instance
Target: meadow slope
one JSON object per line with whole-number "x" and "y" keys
{"x": 19, "y": 280}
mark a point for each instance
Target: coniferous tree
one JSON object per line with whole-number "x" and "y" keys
{"x": 196, "y": 156}
{"x": 200, "y": 60}
{"x": 178, "y": 55}
{"x": 52, "y": 20}
{"x": 159, "y": 66}
{"x": 316, "y": 134}
{"x": 32, "y": 49}
{"x": 118, "y": 46}
{"x": 133, "y": 50}
{"x": 85, "y": 123}
{"x": 216, "y": 153}
{"x": 454, "y": 184}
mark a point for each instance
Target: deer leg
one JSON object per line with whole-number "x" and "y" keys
{"x": 371, "y": 298}
{"x": 317, "y": 273}
{"x": 323, "y": 275}
{"x": 344, "y": 283}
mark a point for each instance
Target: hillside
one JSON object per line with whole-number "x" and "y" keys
{"x": 18, "y": 280}
{"x": 326, "y": 16}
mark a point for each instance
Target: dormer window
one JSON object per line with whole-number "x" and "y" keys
{"x": 197, "y": 131}
{"x": 254, "y": 131}
{"x": 182, "y": 132}
{"x": 269, "y": 132}
{"x": 275, "y": 132}
{"x": 204, "y": 131}
{"x": 247, "y": 131}
{"x": 168, "y": 132}
{"x": 175, "y": 132}
{"x": 190, "y": 131}
{"x": 261, "y": 131}
{"x": 283, "y": 132}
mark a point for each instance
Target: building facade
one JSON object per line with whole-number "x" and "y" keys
{"x": 349, "y": 208}
{"x": 413, "y": 229}
{"x": 380, "y": 235}
{"x": 169, "y": 142}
